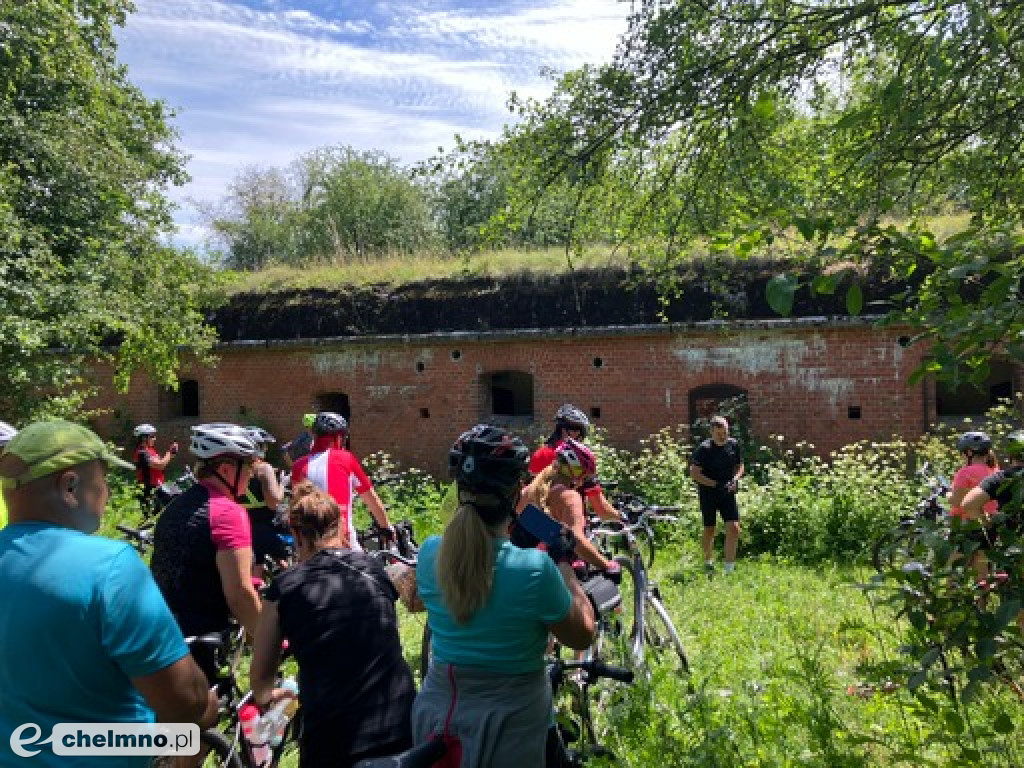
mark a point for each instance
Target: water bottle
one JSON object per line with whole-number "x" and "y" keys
{"x": 280, "y": 714}
{"x": 254, "y": 730}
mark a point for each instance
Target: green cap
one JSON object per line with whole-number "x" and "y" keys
{"x": 51, "y": 446}
{"x": 308, "y": 419}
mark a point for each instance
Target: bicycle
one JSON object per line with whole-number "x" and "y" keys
{"x": 900, "y": 544}
{"x": 633, "y": 509}
{"x": 642, "y": 623}
{"x": 226, "y": 744}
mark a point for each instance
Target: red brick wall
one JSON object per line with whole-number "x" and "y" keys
{"x": 802, "y": 377}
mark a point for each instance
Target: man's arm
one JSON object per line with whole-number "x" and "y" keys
{"x": 179, "y": 694}
{"x": 376, "y": 507}
{"x": 235, "y": 569}
{"x": 162, "y": 462}
{"x": 700, "y": 478}
{"x": 273, "y": 493}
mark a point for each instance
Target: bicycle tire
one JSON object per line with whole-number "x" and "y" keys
{"x": 222, "y": 752}
{"x": 662, "y": 637}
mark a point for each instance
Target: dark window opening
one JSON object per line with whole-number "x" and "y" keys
{"x": 853, "y": 412}
{"x": 336, "y": 402}
{"x": 711, "y": 399}
{"x": 952, "y": 403}
{"x": 509, "y": 397}
{"x": 420, "y": 366}
{"x": 456, "y": 354}
{"x": 180, "y": 404}
{"x": 595, "y": 411}
{"x": 424, "y": 413}
{"x": 598, "y": 362}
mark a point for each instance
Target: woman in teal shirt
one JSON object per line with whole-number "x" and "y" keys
{"x": 491, "y": 606}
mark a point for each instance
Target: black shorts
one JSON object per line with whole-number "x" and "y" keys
{"x": 718, "y": 501}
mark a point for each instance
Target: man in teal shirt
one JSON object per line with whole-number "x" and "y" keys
{"x": 6, "y": 433}
{"x": 85, "y": 633}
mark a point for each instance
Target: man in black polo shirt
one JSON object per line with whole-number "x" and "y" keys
{"x": 716, "y": 467}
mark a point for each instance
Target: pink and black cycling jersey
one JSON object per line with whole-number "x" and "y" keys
{"x": 197, "y": 525}
{"x": 339, "y": 473}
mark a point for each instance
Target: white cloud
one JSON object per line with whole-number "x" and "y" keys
{"x": 261, "y": 86}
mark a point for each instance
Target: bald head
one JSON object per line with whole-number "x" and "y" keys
{"x": 74, "y": 497}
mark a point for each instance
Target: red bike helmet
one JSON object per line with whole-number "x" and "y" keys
{"x": 581, "y": 460}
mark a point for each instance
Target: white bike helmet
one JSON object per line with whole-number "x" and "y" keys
{"x": 261, "y": 438}
{"x": 210, "y": 441}
{"x": 6, "y": 433}
{"x": 144, "y": 430}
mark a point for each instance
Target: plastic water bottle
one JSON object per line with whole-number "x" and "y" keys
{"x": 255, "y": 730}
{"x": 278, "y": 716}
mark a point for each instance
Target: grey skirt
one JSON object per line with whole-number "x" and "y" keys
{"x": 501, "y": 720}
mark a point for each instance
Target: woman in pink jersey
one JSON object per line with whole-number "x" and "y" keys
{"x": 979, "y": 462}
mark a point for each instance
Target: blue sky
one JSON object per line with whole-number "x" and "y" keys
{"x": 262, "y": 81}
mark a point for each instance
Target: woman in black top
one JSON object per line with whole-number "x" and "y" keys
{"x": 337, "y": 610}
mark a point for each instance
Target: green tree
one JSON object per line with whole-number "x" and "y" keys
{"x": 331, "y": 204}
{"x": 85, "y": 160}
{"x": 744, "y": 125}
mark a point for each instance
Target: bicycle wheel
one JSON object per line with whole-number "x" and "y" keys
{"x": 662, "y": 638}
{"x": 221, "y": 751}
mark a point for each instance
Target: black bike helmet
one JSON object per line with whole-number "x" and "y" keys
{"x": 329, "y": 423}
{"x": 1015, "y": 444}
{"x": 978, "y": 442}
{"x": 571, "y": 417}
{"x": 487, "y": 459}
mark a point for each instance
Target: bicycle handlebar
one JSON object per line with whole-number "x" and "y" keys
{"x": 393, "y": 555}
{"x": 595, "y": 668}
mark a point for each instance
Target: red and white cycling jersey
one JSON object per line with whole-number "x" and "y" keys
{"x": 339, "y": 473}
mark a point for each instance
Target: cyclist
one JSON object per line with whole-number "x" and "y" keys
{"x": 295, "y": 449}
{"x": 149, "y": 464}
{"x": 337, "y": 609}
{"x": 1005, "y": 487}
{"x": 261, "y": 499}
{"x": 716, "y": 467}
{"x": 979, "y": 462}
{"x": 86, "y": 636}
{"x": 332, "y": 468}
{"x": 556, "y": 491}
{"x": 202, "y": 543}
{"x": 6, "y": 433}
{"x": 572, "y": 423}
{"x": 490, "y": 606}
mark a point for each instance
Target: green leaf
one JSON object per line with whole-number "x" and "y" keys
{"x": 1003, "y": 724}
{"x": 854, "y": 299}
{"x": 805, "y": 226}
{"x": 954, "y": 721}
{"x": 780, "y": 292}
{"x": 825, "y": 285}
{"x": 764, "y": 107}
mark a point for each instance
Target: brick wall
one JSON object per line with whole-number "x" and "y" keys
{"x": 828, "y": 383}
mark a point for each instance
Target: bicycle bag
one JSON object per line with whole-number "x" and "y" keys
{"x": 604, "y": 593}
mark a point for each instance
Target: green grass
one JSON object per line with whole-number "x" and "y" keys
{"x": 398, "y": 270}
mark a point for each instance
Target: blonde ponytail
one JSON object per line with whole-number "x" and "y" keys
{"x": 465, "y": 564}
